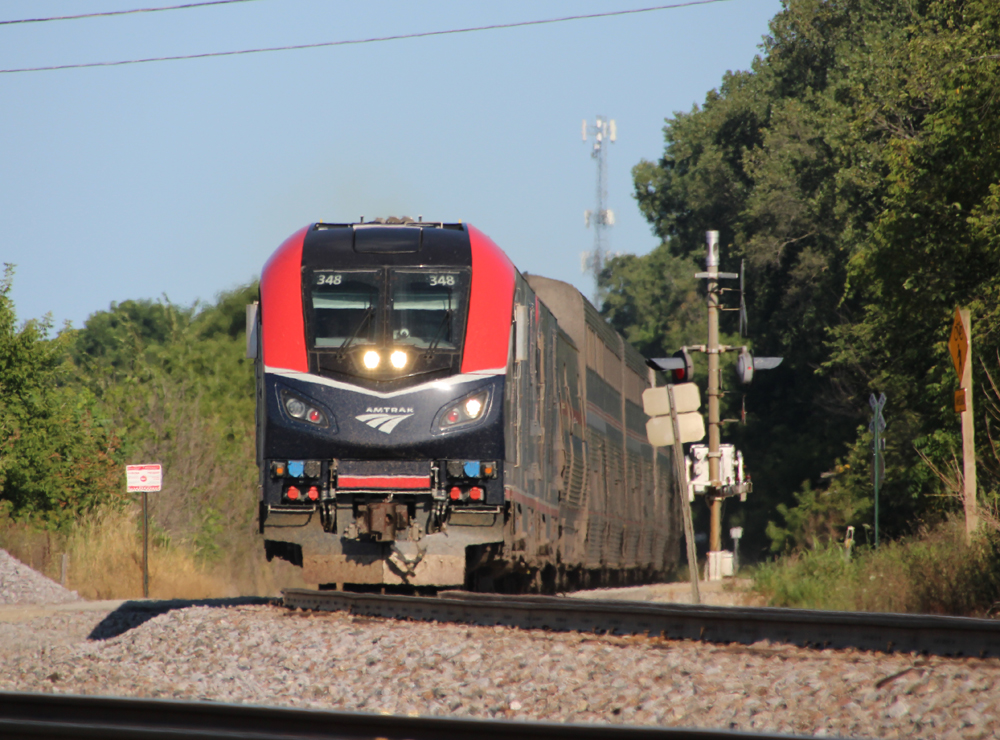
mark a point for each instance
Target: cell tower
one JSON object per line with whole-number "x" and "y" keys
{"x": 604, "y": 132}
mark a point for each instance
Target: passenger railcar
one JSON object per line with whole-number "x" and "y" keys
{"x": 427, "y": 416}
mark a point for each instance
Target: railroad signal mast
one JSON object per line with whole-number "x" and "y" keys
{"x": 680, "y": 369}
{"x": 604, "y": 132}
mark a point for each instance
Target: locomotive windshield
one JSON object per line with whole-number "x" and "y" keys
{"x": 358, "y": 320}
{"x": 344, "y": 306}
{"x": 428, "y": 308}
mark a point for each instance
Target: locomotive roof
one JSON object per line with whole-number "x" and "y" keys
{"x": 386, "y": 243}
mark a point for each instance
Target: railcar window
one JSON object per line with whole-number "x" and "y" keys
{"x": 428, "y": 308}
{"x": 345, "y": 307}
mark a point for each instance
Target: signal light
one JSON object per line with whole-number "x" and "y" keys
{"x": 455, "y": 493}
{"x": 293, "y": 493}
{"x": 683, "y": 374}
{"x": 313, "y": 493}
{"x": 678, "y": 369}
{"x": 476, "y": 493}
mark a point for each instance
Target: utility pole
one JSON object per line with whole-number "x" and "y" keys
{"x": 605, "y": 132}
{"x": 713, "y": 493}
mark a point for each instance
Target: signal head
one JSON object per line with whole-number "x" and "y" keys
{"x": 685, "y": 373}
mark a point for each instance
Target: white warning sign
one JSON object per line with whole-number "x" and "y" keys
{"x": 144, "y": 477}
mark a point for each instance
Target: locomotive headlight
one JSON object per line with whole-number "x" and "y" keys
{"x": 302, "y": 410}
{"x": 473, "y": 406}
{"x": 295, "y": 407}
{"x": 398, "y": 359}
{"x": 470, "y": 409}
{"x": 371, "y": 359}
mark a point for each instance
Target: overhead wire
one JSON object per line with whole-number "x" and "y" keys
{"x": 372, "y": 40}
{"x": 106, "y": 13}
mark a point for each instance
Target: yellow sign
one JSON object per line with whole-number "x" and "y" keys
{"x": 958, "y": 344}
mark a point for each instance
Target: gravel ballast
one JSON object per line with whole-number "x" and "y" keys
{"x": 51, "y": 641}
{"x": 270, "y": 655}
{"x": 20, "y": 584}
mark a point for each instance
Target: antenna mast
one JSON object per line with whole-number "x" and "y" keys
{"x": 604, "y": 132}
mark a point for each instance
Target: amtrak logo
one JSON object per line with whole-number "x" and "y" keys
{"x": 385, "y": 418}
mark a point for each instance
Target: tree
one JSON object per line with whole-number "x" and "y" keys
{"x": 855, "y": 168}
{"x": 56, "y": 459}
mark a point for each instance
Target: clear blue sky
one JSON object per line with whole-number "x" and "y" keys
{"x": 181, "y": 178}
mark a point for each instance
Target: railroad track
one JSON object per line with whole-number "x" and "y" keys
{"x": 45, "y": 716}
{"x": 925, "y": 634}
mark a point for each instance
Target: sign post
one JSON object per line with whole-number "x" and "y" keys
{"x": 877, "y": 428}
{"x": 960, "y": 346}
{"x": 674, "y": 420}
{"x": 144, "y": 478}
{"x": 679, "y": 469}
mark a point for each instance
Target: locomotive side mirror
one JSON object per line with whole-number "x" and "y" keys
{"x": 252, "y": 330}
{"x": 520, "y": 333}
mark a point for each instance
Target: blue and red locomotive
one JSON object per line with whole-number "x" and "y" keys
{"x": 427, "y": 416}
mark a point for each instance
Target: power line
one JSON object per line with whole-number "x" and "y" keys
{"x": 373, "y": 40}
{"x": 121, "y": 12}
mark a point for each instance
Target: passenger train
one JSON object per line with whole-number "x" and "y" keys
{"x": 429, "y": 417}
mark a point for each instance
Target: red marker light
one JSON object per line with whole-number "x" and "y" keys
{"x": 476, "y": 493}
{"x": 293, "y": 493}
{"x": 313, "y": 493}
{"x": 455, "y": 494}
{"x": 453, "y": 416}
{"x": 314, "y": 416}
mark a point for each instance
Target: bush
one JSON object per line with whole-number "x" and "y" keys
{"x": 934, "y": 572}
{"x": 57, "y": 459}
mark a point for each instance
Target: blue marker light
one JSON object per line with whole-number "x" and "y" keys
{"x": 295, "y": 468}
{"x": 472, "y": 469}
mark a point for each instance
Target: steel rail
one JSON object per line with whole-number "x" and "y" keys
{"x": 926, "y": 634}
{"x": 49, "y": 716}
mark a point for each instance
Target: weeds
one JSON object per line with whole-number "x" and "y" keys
{"x": 935, "y": 572}
{"x": 105, "y": 560}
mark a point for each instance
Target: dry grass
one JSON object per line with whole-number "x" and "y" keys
{"x": 936, "y": 572}
{"x": 105, "y": 561}
{"x": 105, "y": 552}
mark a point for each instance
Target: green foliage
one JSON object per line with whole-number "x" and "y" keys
{"x": 176, "y": 384}
{"x": 56, "y": 459}
{"x": 935, "y": 572}
{"x": 654, "y": 300}
{"x": 856, "y": 169}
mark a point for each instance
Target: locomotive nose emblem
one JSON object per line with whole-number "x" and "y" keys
{"x": 385, "y": 420}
